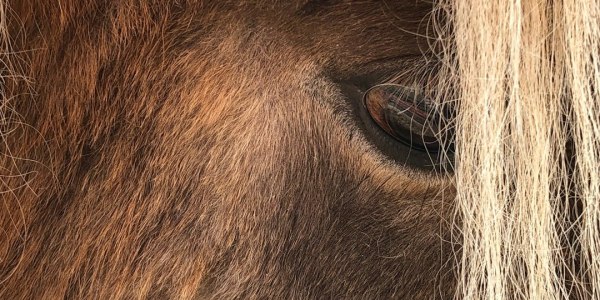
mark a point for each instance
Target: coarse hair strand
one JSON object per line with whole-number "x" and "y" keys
{"x": 527, "y": 76}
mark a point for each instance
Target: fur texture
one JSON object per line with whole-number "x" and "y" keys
{"x": 203, "y": 149}
{"x": 209, "y": 150}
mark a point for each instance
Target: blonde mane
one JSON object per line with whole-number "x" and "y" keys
{"x": 527, "y": 76}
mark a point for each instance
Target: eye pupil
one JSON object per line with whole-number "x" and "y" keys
{"x": 404, "y": 115}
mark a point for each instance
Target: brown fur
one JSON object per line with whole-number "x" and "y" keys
{"x": 183, "y": 149}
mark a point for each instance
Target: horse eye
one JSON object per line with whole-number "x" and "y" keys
{"x": 405, "y": 115}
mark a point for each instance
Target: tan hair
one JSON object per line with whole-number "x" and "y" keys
{"x": 526, "y": 74}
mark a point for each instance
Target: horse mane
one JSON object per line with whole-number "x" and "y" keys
{"x": 527, "y": 76}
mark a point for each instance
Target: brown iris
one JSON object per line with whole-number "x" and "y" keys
{"x": 405, "y": 115}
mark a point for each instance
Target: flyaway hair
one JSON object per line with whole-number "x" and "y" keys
{"x": 525, "y": 79}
